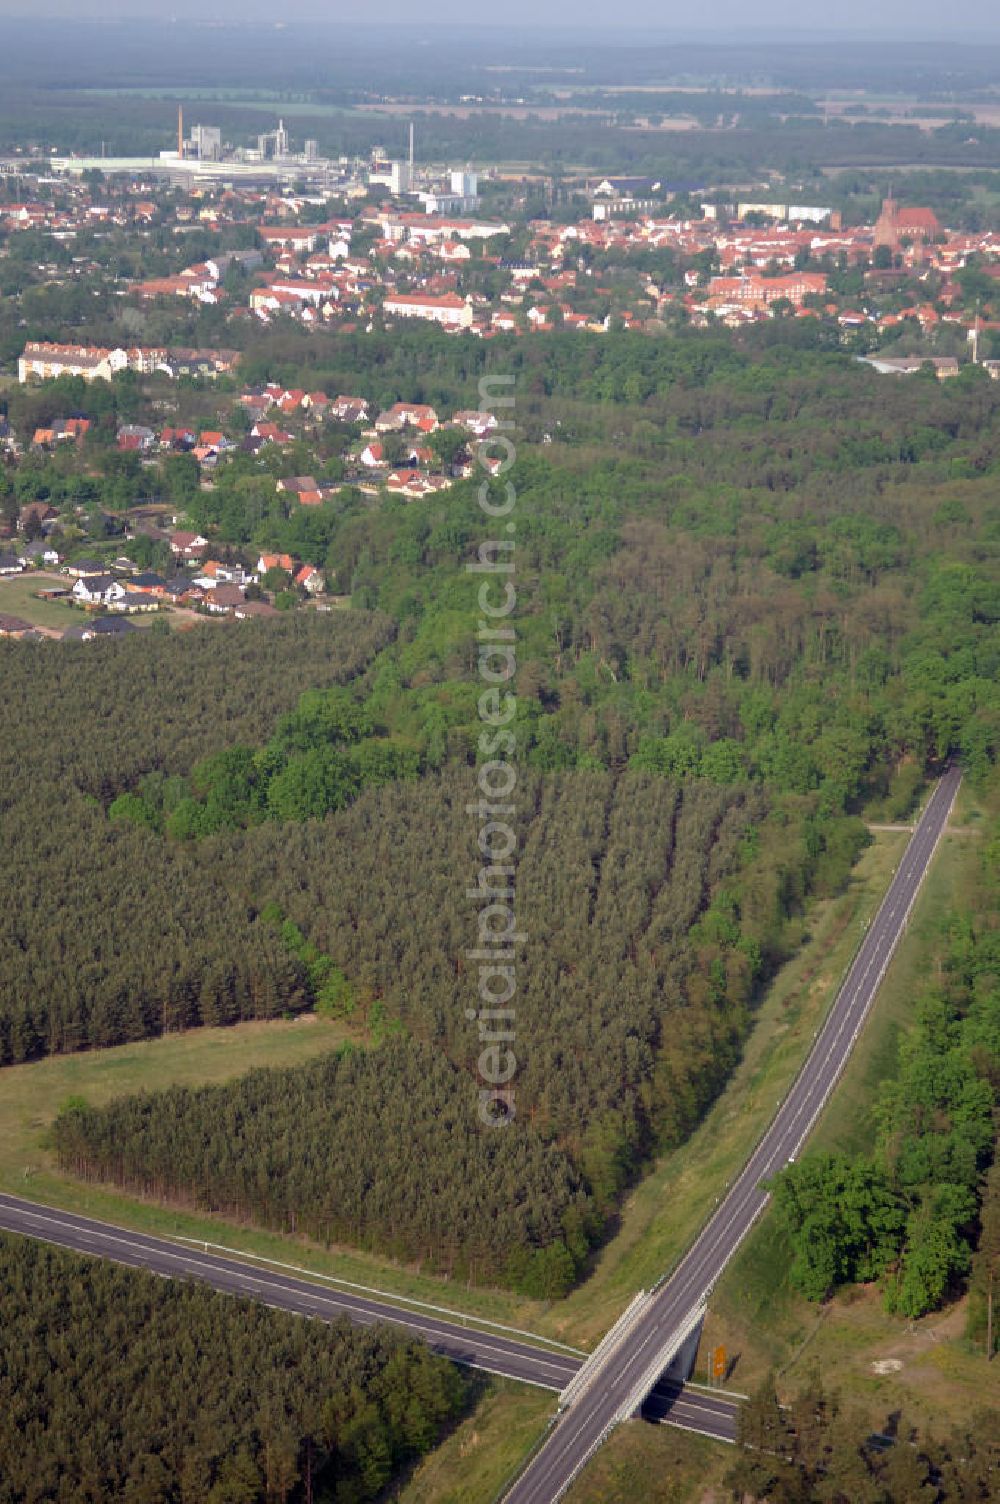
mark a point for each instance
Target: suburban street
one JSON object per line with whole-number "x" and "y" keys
{"x": 513, "y": 1359}
{"x": 584, "y": 1424}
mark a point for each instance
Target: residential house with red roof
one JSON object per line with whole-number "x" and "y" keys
{"x": 407, "y": 415}
{"x": 275, "y": 561}
{"x": 270, "y": 433}
{"x": 349, "y": 409}
{"x": 310, "y": 579}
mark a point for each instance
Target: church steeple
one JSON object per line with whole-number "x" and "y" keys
{"x": 886, "y": 229}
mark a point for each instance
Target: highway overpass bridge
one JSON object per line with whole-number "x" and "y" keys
{"x": 625, "y": 1373}
{"x": 490, "y": 1347}
{"x": 653, "y": 1331}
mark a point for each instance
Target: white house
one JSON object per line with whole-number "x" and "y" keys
{"x": 478, "y": 423}
{"x": 45, "y": 361}
{"x": 98, "y": 590}
{"x": 450, "y": 310}
{"x": 311, "y": 579}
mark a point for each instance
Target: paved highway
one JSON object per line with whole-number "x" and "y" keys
{"x": 713, "y": 1414}
{"x": 582, "y": 1427}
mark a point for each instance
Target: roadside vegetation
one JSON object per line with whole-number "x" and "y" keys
{"x": 817, "y": 1448}
{"x": 911, "y": 1212}
{"x": 934, "y": 1366}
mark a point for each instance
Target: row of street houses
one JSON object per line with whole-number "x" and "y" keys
{"x": 42, "y": 360}
{"x": 219, "y": 587}
{"x": 311, "y": 272}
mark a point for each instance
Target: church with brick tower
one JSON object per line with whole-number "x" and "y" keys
{"x": 896, "y": 224}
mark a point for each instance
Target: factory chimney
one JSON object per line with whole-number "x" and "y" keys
{"x": 180, "y": 131}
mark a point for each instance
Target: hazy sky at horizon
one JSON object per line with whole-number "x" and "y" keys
{"x": 916, "y": 19}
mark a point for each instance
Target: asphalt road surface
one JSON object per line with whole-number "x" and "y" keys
{"x": 713, "y": 1414}
{"x": 584, "y": 1424}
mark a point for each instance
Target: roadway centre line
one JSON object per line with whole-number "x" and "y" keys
{"x": 247, "y": 1279}
{"x": 385, "y": 1295}
{"x": 568, "y": 1447}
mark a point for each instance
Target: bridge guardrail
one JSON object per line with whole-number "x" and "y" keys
{"x": 666, "y": 1355}
{"x": 611, "y": 1339}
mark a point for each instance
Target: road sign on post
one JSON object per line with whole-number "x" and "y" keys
{"x": 719, "y": 1363}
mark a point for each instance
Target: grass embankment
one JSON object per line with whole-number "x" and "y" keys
{"x": 654, "y": 1464}
{"x": 474, "y": 1462}
{"x": 755, "y": 1312}
{"x": 657, "y": 1464}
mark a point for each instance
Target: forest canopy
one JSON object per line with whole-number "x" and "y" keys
{"x": 650, "y": 909}
{"x": 757, "y": 596}
{"x": 116, "y": 1385}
